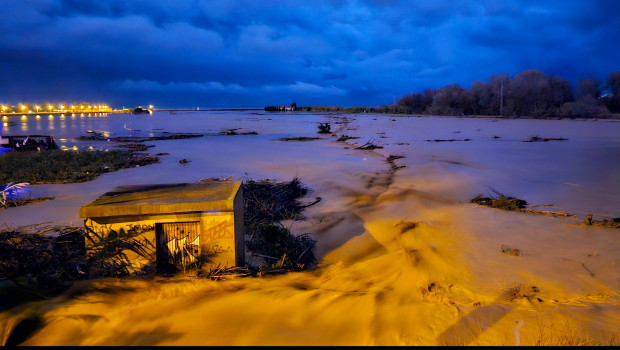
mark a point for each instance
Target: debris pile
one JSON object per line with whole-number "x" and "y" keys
{"x": 267, "y": 203}
{"x": 501, "y": 202}
{"x": 48, "y": 259}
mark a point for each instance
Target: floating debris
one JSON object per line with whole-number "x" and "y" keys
{"x": 520, "y": 292}
{"x": 232, "y": 132}
{"x": 450, "y": 140}
{"x": 302, "y": 138}
{"x": 391, "y": 160}
{"x": 344, "y": 138}
{"x": 613, "y": 223}
{"x": 510, "y": 251}
{"x": 29, "y": 142}
{"x": 544, "y": 139}
{"x": 501, "y": 202}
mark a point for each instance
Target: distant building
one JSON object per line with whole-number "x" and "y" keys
{"x": 291, "y": 108}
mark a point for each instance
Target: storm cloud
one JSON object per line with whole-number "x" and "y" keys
{"x": 257, "y": 53}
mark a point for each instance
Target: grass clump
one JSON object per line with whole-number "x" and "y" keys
{"x": 57, "y": 166}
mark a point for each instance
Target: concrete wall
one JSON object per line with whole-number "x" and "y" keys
{"x": 221, "y": 236}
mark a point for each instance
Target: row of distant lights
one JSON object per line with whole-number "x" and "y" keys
{"x": 62, "y": 108}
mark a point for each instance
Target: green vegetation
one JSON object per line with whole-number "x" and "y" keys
{"x": 57, "y": 166}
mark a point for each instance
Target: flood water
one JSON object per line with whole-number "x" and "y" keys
{"x": 442, "y": 282}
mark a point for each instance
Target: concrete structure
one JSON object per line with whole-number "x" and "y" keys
{"x": 171, "y": 226}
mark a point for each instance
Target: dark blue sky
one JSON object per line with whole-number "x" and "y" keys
{"x": 252, "y": 53}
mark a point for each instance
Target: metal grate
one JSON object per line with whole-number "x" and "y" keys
{"x": 179, "y": 243}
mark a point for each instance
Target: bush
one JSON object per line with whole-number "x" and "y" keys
{"x": 324, "y": 128}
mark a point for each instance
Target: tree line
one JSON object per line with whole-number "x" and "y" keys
{"x": 530, "y": 93}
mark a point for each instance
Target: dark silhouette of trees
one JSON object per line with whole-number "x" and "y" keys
{"x": 612, "y": 100}
{"x": 417, "y": 102}
{"x": 530, "y": 93}
{"x": 588, "y": 87}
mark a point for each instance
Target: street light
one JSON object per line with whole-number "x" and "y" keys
{"x": 37, "y": 108}
{"x": 50, "y": 107}
{"x": 23, "y": 107}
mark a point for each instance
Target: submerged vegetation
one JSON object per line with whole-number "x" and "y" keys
{"x": 57, "y": 166}
{"x": 324, "y": 128}
{"x": 96, "y": 136}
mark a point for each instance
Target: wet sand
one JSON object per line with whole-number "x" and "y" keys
{"x": 405, "y": 259}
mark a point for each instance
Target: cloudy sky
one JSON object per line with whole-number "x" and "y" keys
{"x": 188, "y": 53}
